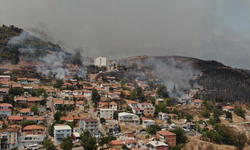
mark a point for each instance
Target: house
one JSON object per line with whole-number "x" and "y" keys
{"x": 115, "y": 94}
{"x": 113, "y": 105}
{"x": 87, "y": 93}
{"x": 157, "y": 145}
{"x": 128, "y": 118}
{"x": 11, "y": 135}
{"x": 26, "y": 112}
{"x": 61, "y": 131}
{"x": 66, "y": 92}
{"x": 50, "y": 92}
{"x": 228, "y": 108}
{"x": 137, "y": 111}
{"x": 5, "y": 84}
{"x": 107, "y": 113}
{"x": 1, "y": 124}
{"x": 34, "y": 129}
{"x": 103, "y": 105}
{"x": 148, "y": 109}
{"x": 166, "y": 136}
{"x": 147, "y": 122}
{"x": 5, "y": 105}
{"x": 116, "y": 144}
{"x": 15, "y": 119}
{"x": 68, "y": 78}
{"x": 80, "y": 103}
{"x": 30, "y": 139}
{"x": 3, "y": 91}
{"x": 67, "y": 84}
{"x": 4, "y": 78}
{"x": 22, "y": 80}
{"x": 163, "y": 116}
{"x": 79, "y": 97}
{"x": 159, "y": 101}
{"x": 16, "y": 85}
{"x": 144, "y": 86}
{"x": 33, "y": 81}
{"x": 132, "y": 104}
{"x": 197, "y": 102}
{"x": 6, "y": 111}
{"x": 78, "y": 92}
{"x": 131, "y": 143}
{"x": 34, "y": 100}
{"x": 20, "y": 100}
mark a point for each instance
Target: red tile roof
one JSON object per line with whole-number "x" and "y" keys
{"x": 116, "y": 142}
{"x": 33, "y": 127}
{"x": 15, "y": 118}
{"x": 5, "y": 105}
{"x": 5, "y": 109}
{"x": 165, "y": 133}
{"x": 228, "y": 107}
{"x": 25, "y": 110}
{"x": 130, "y": 141}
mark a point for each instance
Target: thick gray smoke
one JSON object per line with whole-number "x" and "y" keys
{"x": 175, "y": 76}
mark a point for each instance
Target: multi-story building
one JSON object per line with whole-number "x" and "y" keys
{"x": 107, "y": 113}
{"x": 163, "y": 116}
{"x": 32, "y": 134}
{"x": 100, "y": 61}
{"x": 11, "y": 135}
{"x": 166, "y": 136}
{"x": 148, "y": 109}
{"x": 88, "y": 124}
{"x": 61, "y": 131}
{"x": 128, "y": 118}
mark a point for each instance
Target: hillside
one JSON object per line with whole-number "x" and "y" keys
{"x": 12, "y": 39}
{"x": 221, "y": 83}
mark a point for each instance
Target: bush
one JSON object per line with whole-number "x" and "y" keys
{"x": 180, "y": 136}
{"x": 153, "y": 129}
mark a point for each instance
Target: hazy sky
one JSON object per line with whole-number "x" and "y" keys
{"x": 206, "y": 29}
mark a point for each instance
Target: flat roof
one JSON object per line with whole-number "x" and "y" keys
{"x": 62, "y": 127}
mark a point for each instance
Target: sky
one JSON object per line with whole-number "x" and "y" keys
{"x": 206, "y": 29}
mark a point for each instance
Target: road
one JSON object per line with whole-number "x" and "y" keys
{"x": 91, "y": 109}
{"x": 51, "y": 116}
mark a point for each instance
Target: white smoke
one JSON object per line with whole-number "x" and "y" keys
{"x": 175, "y": 76}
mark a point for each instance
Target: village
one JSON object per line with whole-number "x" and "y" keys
{"x": 115, "y": 113}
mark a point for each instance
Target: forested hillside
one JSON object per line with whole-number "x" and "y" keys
{"x": 13, "y": 38}
{"x": 223, "y": 83}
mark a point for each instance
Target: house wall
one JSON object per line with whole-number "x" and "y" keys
{"x": 107, "y": 113}
{"x": 30, "y": 140}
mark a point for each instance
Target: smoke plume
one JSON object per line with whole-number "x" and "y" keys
{"x": 175, "y": 76}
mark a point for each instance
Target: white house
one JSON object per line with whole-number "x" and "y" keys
{"x": 155, "y": 145}
{"x": 107, "y": 113}
{"x": 128, "y": 118}
{"x": 100, "y": 61}
{"x": 147, "y": 122}
{"x": 6, "y": 111}
{"x": 113, "y": 105}
{"x": 92, "y": 125}
{"x": 163, "y": 116}
{"x": 228, "y": 108}
{"x": 27, "y": 140}
{"x": 87, "y": 93}
{"x": 61, "y": 132}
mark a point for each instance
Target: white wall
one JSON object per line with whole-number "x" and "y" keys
{"x": 100, "y": 61}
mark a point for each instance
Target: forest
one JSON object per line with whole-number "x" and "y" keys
{"x": 222, "y": 83}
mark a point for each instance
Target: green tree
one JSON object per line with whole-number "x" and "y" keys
{"x": 169, "y": 102}
{"x": 57, "y": 116}
{"x": 95, "y": 96}
{"x": 66, "y": 143}
{"x": 134, "y": 66}
{"x": 132, "y": 95}
{"x": 15, "y": 148}
{"x": 217, "y": 138}
{"x": 162, "y": 91}
{"x": 180, "y": 136}
{"x": 240, "y": 112}
{"x": 48, "y": 144}
{"x": 105, "y": 140}
{"x": 216, "y": 115}
{"x": 102, "y": 120}
{"x": 205, "y": 113}
{"x": 71, "y": 124}
{"x": 189, "y": 118}
{"x": 88, "y": 142}
{"x": 228, "y": 115}
{"x": 34, "y": 109}
{"x": 122, "y": 95}
{"x": 153, "y": 129}
{"x": 51, "y": 130}
{"x": 4, "y": 125}
{"x": 140, "y": 94}
{"x": 152, "y": 99}
{"x": 33, "y": 93}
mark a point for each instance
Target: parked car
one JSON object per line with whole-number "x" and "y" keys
{"x": 185, "y": 129}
